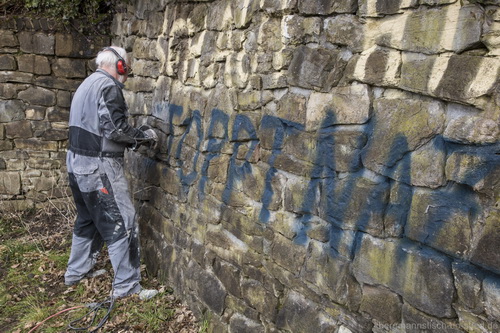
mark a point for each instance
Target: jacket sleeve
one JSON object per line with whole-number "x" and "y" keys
{"x": 113, "y": 117}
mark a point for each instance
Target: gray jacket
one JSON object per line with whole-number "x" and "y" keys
{"x": 98, "y": 121}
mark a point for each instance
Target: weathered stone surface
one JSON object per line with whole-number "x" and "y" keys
{"x": 18, "y": 129}
{"x": 418, "y": 321}
{"x": 366, "y": 214}
{"x": 427, "y": 165}
{"x": 381, "y": 7}
{"x": 78, "y": 45}
{"x": 298, "y": 29}
{"x": 421, "y": 276}
{"x": 316, "y": 68}
{"x": 468, "y": 281}
{"x": 11, "y": 110}
{"x": 209, "y": 288}
{"x": 345, "y": 30}
{"x": 378, "y": 66}
{"x": 35, "y": 144}
{"x": 57, "y": 83}
{"x": 401, "y": 125}
{"x": 431, "y": 30}
{"x": 473, "y": 130}
{"x": 33, "y": 63}
{"x": 475, "y": 166}
{"x": 326, "y": 7}
{"x": 243, "y": 12}
{"x": 473, "y": 323}
{"x": 8, "y": 39}
{"x": 343, "y": 105}
{"x": 241, "y": 324}
{"x": 491, "y": 285}
{"x": 10, "y": 183}
{"x": 444, "y": 219}
{"x": 253, "y": 293}
{"x": 15, "y": 77}
{"x": 381, "y": 304}
{"x": 38, "y": 43}
{"x": 329, "y": 274}
{"x": 237, "y": 70}
{"x": 487, "y": 242}
{"x": 69, "y": 68}
{"x": 287, "y": 254}
{"x": 38, "y": 96}
{"x": 300, "y": 315}
{"x": 7, "y": 62}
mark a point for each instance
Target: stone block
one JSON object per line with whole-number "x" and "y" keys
{"x": 253, "y": 292}
{"x": 366, "y": 212}
{"x": 473, "y": 130}
{"x": 18, "y": 129}
{"x": 444, "y": 219}
{"x": 378, "y": 66}
{"x": 468, "y": 281}
{"x": 418, "y": 321}
{"x": 299, "y": 30}
{"x": 301, "y": 315}
{"x": 454, "y": 28}
{"x": 377, "y": 8}
{"x": 237, "y": 70}
{"x": 11, "y": 110}
{"x": 63, "y": 98}
{"x": 15, "y": 77}
{"x": 230, "y": 276}
{"x": 345, "y": 30}
{"x": 33, "y": 63}
{"x": 287, "y": 254}
{"x": 243, "y": 12}
{"x": 36, "y": 144}
{"x": 7, "y": 62}
{"x": 316, "y": 68}
{"x": 10, "y": 183}
{"x": 37, "y": 43}
{"x": 8, "y": 39}
{"x": 10, "y": 90}
{"x": 69, "y": 68}
{"x": 327, "y": 7}
{"x": 475, "y": 166}
{"x": 473, "y": 323}
{"x": 329, "y": 274}
{"x": 421, "y": 276}
{"x": 488, "y": 240}
{"x": 79, "y": 46}
{"x": 342, "y": 105}
{"x": 427, "y": 165}
{"x": 250, "y": 100}
{"x": 381, "y": 304}
{"x": 146, "y": 68}
{"x": 53, "y": 82}
{"x": 401, "y": 125}
{"x": 208, "y": 288}
{"x": 241, "y": 324}
{"x": 491, "y": 36}
{"x": 38, "y": 96}
{"x": 464, "y": 78}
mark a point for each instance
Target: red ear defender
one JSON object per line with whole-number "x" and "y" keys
{"x": 121, "y": 64}
{"x": 121, "y": 67}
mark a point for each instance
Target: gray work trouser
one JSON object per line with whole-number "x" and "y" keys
{"x": 105, "y": 213}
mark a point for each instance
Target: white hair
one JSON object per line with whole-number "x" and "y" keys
{"x": 108, "y": 58}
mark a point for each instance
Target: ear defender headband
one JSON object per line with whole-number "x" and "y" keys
{"x": 121, "y": 64}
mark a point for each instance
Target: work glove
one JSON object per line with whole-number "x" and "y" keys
{"x": 150, "y": 134}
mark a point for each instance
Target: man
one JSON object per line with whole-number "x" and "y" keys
{"x": 98, "y": 135}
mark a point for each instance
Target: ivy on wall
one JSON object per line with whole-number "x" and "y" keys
{"x": 89, "y": 13}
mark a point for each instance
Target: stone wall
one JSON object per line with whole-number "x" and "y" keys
{"x": 324, "y": 166}
{"x": 40, "y": 67}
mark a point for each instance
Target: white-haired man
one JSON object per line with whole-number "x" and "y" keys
{"x": 99, "y": 133}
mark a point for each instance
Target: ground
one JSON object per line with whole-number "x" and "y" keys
{"x": 34, "y": 249}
